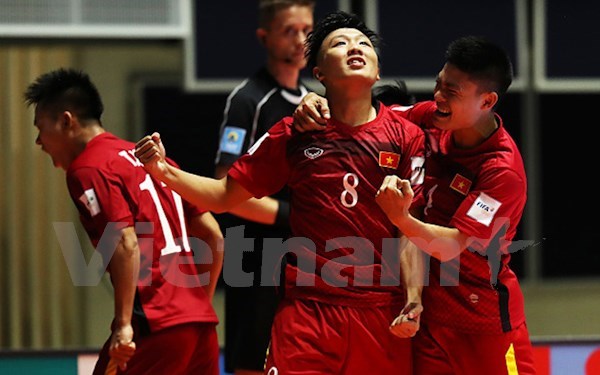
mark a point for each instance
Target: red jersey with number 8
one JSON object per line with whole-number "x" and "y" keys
{"x": 341, "y": 245}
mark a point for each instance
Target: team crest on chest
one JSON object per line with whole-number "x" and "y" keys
{"x": 461, "y": 184}
{"x": 313, "y": 152}
{"x": 389, "y": 159}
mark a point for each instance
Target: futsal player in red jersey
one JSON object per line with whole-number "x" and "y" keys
{"x": 475, "y": 192}
{"x": 164, "y": 321}
{"x": 340, "y": 324}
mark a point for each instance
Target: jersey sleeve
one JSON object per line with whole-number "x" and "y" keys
{"x": 102, "y": 201}
{"x": 265, "y": 170}
{"x": 497, "y": 199}
{"x": 419, "y": 113}
{"x": 235, "y": 132}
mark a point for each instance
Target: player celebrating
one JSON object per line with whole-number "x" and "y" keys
{"x": 164, "y": 322}
{"x": 340, "y": 323}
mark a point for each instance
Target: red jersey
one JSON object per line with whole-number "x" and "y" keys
{"x": 333, "y": 177}
{"x": 112, "y": 190}
{"x": 481, "y": 192}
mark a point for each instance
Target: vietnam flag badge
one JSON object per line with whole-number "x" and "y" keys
{"x": 461, "y": 184}
{"x": 389, "y": 159}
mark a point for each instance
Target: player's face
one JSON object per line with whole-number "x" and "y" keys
{"x": 460, "y": 101}
{"x": 284, "y": 39}
{"x": 53, "y": 137}
{"x": 348, "y": 53}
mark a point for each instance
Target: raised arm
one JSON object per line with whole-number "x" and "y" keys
{"x": 444, "y": 243}
{"x": 211, "y": 194}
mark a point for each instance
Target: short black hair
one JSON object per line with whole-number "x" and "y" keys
{"x": 483, "y": 61}
{"x": 394, "y": 93}
{"x": 66, "y": 89}
{"x": 333, "y": 21}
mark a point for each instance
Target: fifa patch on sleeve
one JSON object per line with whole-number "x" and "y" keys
{"x": 88, "y": 198}
{"x": 232, "y": 140}
{"x": 484, "y": 209}
{"x": 418, "y": 170}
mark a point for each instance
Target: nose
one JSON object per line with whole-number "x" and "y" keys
{"x": 437, "y": 93}
{"x": 300, "y": 37}
{"x": 355, "y": 49}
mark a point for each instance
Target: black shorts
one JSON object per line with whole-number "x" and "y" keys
{"x": 249, "y": 315}
{"x": 249, "y": 310}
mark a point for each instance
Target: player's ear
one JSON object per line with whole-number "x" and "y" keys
{"x": 317, "y": 74}
{"x": 489, "y": 100}
{"x": 67, "y": 119}
{"x": 261, "y": 35}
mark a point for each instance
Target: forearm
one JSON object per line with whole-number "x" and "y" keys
{"x": 205, "y": 227}
{"x": 124, "y": 270}
{"x": 443, "y": 243}
{"x": 262, "y": 210}
{"x": 205, "y": 192}
{"x": 411, "y": 269}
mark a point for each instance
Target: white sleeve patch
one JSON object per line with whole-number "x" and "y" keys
{"x": 484, "y": 209}
{"x": 91, "y": 202}
{"x": 418, "y": 170}
{"x": 401, "y": 108}
{"x": 256, "y": 145}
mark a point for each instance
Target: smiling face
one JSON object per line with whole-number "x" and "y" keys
{"x": 461, "y": 103}
{"x": 345, "y": 53}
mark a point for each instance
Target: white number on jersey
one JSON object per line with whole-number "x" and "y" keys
{"x": 129, "y": 155}
{"x": 170, "y": 245}
{"x": 349, "y": 196}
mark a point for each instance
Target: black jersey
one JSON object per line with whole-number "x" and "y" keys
{"x": 252, "y": 108}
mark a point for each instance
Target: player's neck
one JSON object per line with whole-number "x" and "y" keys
{"x": 285, "y": 74}
{"x": 87, "y": 133}
{"x": 473, "y": 136}
{"x": 350, "y": 108}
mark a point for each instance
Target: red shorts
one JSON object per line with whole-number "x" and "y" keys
{"x": 442, "y": 351}
{"x": 311, "y": 338}
{"x": 183, "y": 349}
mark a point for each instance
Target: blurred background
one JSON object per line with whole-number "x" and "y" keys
{"x": 168, "y": 65}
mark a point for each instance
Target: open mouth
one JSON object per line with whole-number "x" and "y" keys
{"x": 442, "y": 112}
{"x": 356, "y": 61}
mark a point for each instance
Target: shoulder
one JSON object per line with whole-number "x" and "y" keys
{"x": 253, "y": 88}
{"x": 398, "y": 119}
{"x": 108, "y": 155}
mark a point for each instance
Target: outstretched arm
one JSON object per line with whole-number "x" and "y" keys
{"x": 263, "y": 210}
{"x": 208, "y": 193}
{"x": 444, "y": 243}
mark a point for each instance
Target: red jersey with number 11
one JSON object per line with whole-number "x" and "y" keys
{"x": 112, "y": 191}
